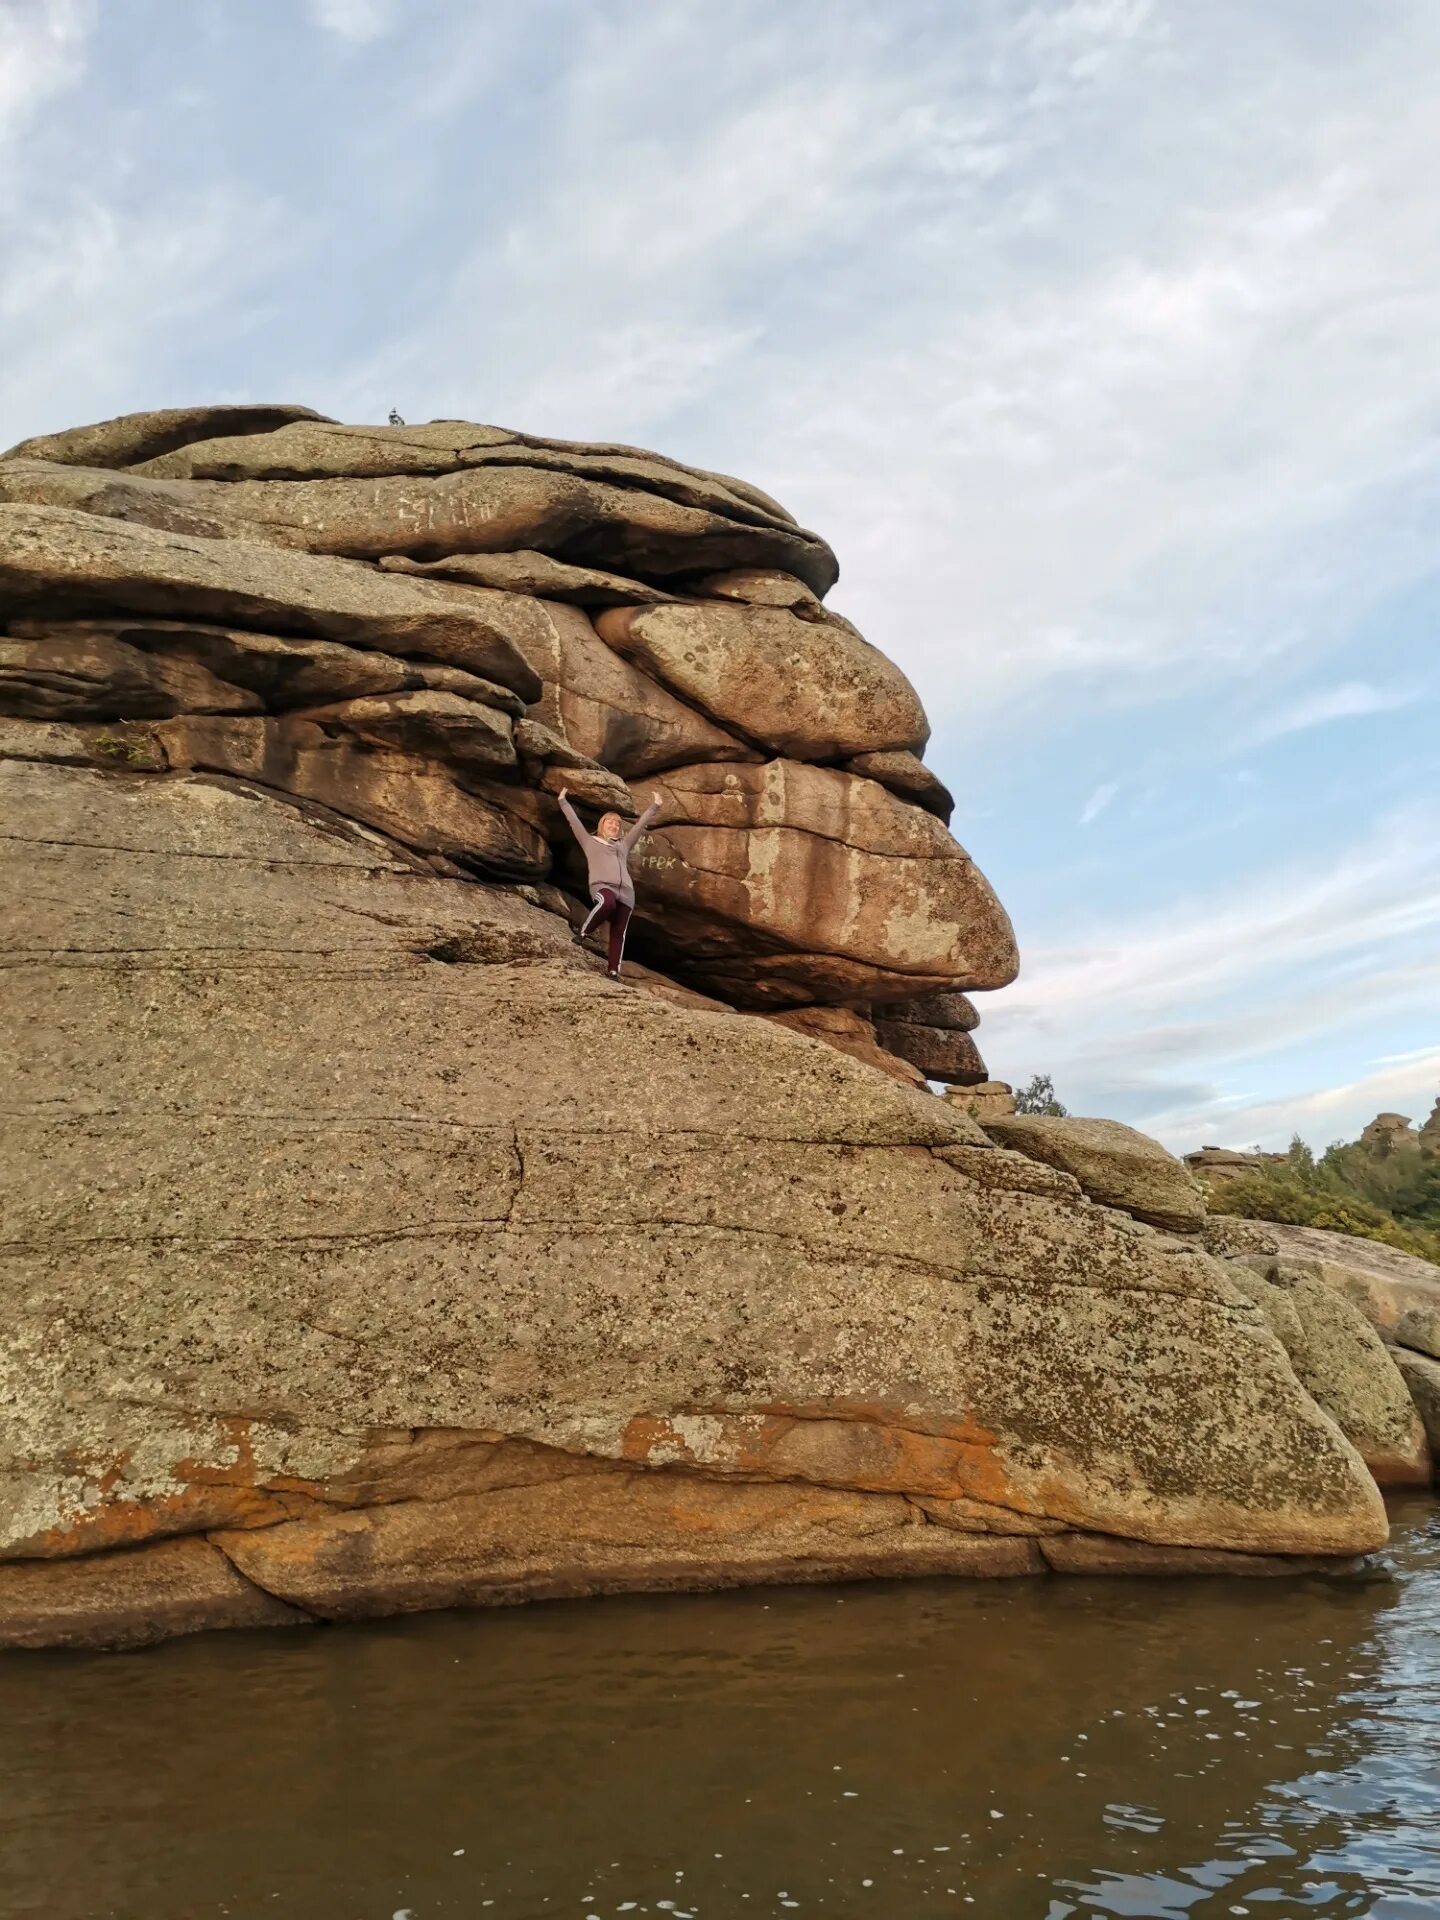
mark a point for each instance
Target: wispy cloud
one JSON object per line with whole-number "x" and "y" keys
{"x": 1351, "y": 700}
{"x": 1097, "y": 803}
{"x": 358, "y": 21}
{"x": 1170, "y": 1017}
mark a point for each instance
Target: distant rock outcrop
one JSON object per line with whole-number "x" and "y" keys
{"x": 366, "y": 1250}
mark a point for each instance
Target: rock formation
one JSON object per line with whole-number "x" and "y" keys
{"x": 1219, "y": 1164}
{"x": 1113, "y": 1163}
{"x": 366, "y": 1249}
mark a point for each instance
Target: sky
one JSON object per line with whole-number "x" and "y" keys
{"x": 1100, "y": 338}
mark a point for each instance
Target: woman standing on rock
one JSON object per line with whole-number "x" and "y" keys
{"x": 607, "y": 862}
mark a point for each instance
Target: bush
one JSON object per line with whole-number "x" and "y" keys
{"x": 1393, "y": 1198}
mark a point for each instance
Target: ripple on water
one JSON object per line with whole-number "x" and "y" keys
{"x": 1071, "y": 1747}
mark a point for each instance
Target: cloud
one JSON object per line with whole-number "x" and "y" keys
{"x": 357, "y": 21}
{"x": 1098, "y": 802}
{"x": 1319, "y": 1114}
{"x": 42, "y": 51}
{"x": 1171, "y": 1018}
{"x": 1349, "y": 701}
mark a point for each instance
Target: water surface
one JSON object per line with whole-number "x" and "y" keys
{"x": 1035, "y": 1749}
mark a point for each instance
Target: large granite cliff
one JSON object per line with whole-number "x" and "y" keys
{"x": 366, "y": 1249}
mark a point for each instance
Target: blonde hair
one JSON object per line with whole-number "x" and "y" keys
{"x": 603, "y": 822}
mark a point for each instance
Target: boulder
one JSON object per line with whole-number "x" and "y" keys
{"x": 760, "y": 587}
{"x": 852, "y": 1033}
{"x": 598, "y": 703}
{"x": 985, "y": 1101}
{"x": 1346, "y": 1368}
{"x": 407, "y": 795}
{"x": 951, "y": 1012}
{"x": 533, "y": 573}
{"x": 1219, "y": 1164}
{"x": 907, "y": 775}
{"x": 279, "y": 673}
{"x": 80, "y": 674}
{"x": 133, "y": 437}
{"x": 498, "y": 509}
{"x": 764, "y": 1299}
{"x": 75, "y": 562}
{"x": 441, "y": 726}
{"x": 1100, "y": 1553}
{"x": 166, "y": 505}
{"x": 743, "y": 666}
{"x": 1115, "y": 1165}
{"x": 133, "y": 1597}
{"x": 786, "y": 883}
{"x": 1384, "y": 1283}
{"x": 327, "y": 450}
{"x": 941, "y": 1053}
{"x": 1419, "y": 1328}
{"x": 1421, "y": 1374}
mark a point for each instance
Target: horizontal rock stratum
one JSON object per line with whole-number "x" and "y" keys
{"x": 365, "y": 1249}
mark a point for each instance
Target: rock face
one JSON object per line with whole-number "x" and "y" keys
{"x": 655, "y": 618}
{"x": 367, "y": 1250}
{"x": 361, "y": 1187}
{"x": 1386, "y": 1285}
{"x": 1113, "y": 1163}
{"x": 1345, "y": 1367}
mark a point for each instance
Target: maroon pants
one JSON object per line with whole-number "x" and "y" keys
{"x": 609, "y": 906}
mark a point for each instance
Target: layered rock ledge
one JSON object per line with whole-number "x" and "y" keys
{"x": 365, "y": 1249}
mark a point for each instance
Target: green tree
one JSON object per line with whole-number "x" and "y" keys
{"x": 1038, "y": 1096}
{"x": 1374, "y": 1191}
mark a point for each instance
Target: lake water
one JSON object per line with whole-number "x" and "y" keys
{"x": 1028, "y": 1748}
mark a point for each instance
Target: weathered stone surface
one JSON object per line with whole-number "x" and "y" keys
{"x": 125, "y": 746}
{"x": 907, "y": 775}
{"x": 1115, "y": 1164}
{"x": 1384, "y": 1283}
{"x": 607, "y": 1534}
{"x": 760, "y": 587}
{"x": 1346, "y": 1368}
{"x": 951, "y": 1012}
{"x": 941, "y": 1053}
{"x": 536, "y": 574}
{"x": 279, "y": 1182}
{"x": 786, "y": 883}
{"x": 404, "y": 794}
{"x": 988, "y": 1100}
{"x": 131, "y": 1597}
{"x": 134, "y": 437}
{"x": 605, "y": 708}
{"x": 1421, "y": 1374}
{"x": 1101, "y": 1553}
{"x": 279, "y": 672}
{"x": 328, "y": 451}
{"x": 1219, "y": 1164}
{"x": 852, "y": 1033}
{"x": 1419, "y": 1328}
{"x": 74, "y": 562}
{"x": 442, "y": 726}
{"x": 168, "y": 506}
{"x": 77, "y": 674}
{"x": 497, "y": 509}
{"x": 745, "y": 665}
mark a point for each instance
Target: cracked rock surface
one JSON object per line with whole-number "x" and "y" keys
{"x": 365, "y": 1249}
{"x": 378, "y": 1280}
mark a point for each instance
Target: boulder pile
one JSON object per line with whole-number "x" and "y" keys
{"x": 366, "y": 1250}
{"x": 434, "y": 629}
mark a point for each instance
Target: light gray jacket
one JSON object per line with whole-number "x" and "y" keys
{"x": 608, "y": 861}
